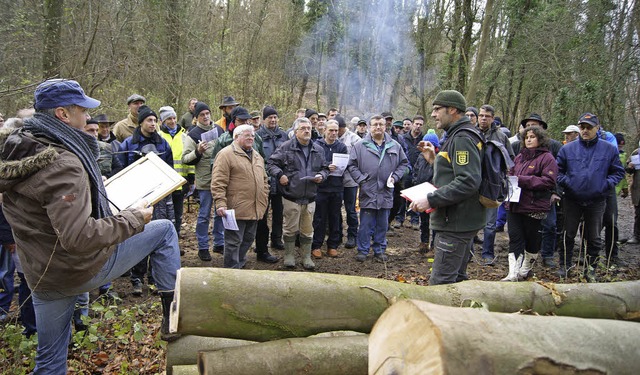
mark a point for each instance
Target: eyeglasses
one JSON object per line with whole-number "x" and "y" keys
{"x": 378, "y": 125}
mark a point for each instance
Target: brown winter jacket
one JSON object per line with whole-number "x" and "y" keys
{"x": 240, "y": 183}
{"x": 124, "y": 129}
{"x": 47, "y": 201}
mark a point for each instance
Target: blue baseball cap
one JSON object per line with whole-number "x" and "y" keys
{"x": 54, "y": 93}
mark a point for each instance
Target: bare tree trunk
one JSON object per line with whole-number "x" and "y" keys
{"x": 485, "y": 35}
{"x": 184, "y": 351}
{"x": 417, "y": 337}
{"x": 267, "y": 305}
{"x": 314, "y": 356}
{"x": 53, "y": 13}
{"x": 183, "y": 370}
{"x": 465, "y": 46}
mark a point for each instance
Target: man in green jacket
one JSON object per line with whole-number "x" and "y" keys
{"x": 457, "y": 174}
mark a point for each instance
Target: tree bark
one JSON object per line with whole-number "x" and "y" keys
{"x": 54, "y": 10}
{"x": 485, "y": 32}
{"x": 268, "y": 305}
{"x": 184, "y": 351}
{"x": 183, "y": 370}
{"x": 311, "y": 356}
{"x": 417, "y": 337}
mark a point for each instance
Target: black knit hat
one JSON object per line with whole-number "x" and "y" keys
{"x": 268, "y": 111}
{"x": 310, "y": 112}
{"x": 144, "y": 112}
{"x": 451, "y": 98}
{"x": 534, "y": 117}
{"x": 472, "y": 109}
{"x": 200, "y": 106}
{"x": 241, "y": 113}
{"x": 341, "y": 122}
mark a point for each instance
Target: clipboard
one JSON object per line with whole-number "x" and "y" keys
{"x": 418, "y": 191}
{"x": 148, "y": 178}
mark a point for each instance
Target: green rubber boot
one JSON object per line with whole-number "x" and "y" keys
{"x": 305, "y": 247}
{"x": 289, "y": 251}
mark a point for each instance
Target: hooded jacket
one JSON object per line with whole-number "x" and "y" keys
{"x": 588, "y": 170}
{"x": 537, "y": 171}
{"x": 371, "y": 169}
{"x": 136, "y": 143}
{"x": 47, "y": 201}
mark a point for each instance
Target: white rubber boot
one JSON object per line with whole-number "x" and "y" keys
{"x": 527, "y": 265}
{"x": 512, "y": 276}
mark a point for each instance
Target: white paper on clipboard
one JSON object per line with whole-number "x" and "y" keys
{"x": 418, "y": 192}
{"x": 149, "y": 178}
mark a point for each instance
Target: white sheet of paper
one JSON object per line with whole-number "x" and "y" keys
{"x": 210, "y": 135}
{"x": 514, "y": 190}
{"x": 418, "y": 192}
{"x": 635, "y": 159}
{"x": 229, "y": 220}
{"x": 340, "y": 161}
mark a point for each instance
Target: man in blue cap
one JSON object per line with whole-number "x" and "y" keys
{"x": 588, "y": 169}
{"x": 68, "y": 240}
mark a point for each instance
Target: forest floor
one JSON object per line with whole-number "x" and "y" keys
{"x": 407, "y": 264}
{"x": 125, "y": 336}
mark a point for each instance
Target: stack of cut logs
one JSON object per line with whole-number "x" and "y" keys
{"x": 265, "y": 322}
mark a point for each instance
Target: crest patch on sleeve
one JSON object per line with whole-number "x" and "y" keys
{"x": 462, "y": 157}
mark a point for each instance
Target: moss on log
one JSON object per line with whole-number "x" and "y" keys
{"x": 310, "y": 356}
{"x": 268, "y": 305}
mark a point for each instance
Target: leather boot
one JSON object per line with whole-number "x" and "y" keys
{"x": 527, "y": 265}
{"x": 519, "y": 261}
{"x": 512, "y": 269}
{"x": 305, "y": 248}
{"x": 289, "y": 251}
{"x": 166, "y": 298}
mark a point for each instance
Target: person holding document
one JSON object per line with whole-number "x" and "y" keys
{"x": 298, "y": 167}
{"x": 239, "y": 182}
{"x": 68, "y": 240}
{"x": 330, "y": 194}
{"x": 536, "y": 170}
{"x": 376, "y": 163}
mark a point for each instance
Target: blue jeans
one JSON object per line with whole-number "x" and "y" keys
{"x": 54, "y": 309}
{"x": 489, "y": 233}
{"x": 7, "y": 270}
{"x": 81, "y": 309}
{"x": 502, "y": 216}
{"x": 376, "y": 223}
{"x": 204, "y": 218}
{"x": 27, "y": 314}
{"x": 549, "y": 234}
{"x": 350, "y": 195}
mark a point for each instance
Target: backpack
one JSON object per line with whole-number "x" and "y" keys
{"x": 494, "y": 188}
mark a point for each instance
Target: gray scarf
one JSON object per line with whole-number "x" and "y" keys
{"x": 84, "y": 146}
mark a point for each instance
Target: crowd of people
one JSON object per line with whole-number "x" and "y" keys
{"x": 313, "y": 182}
